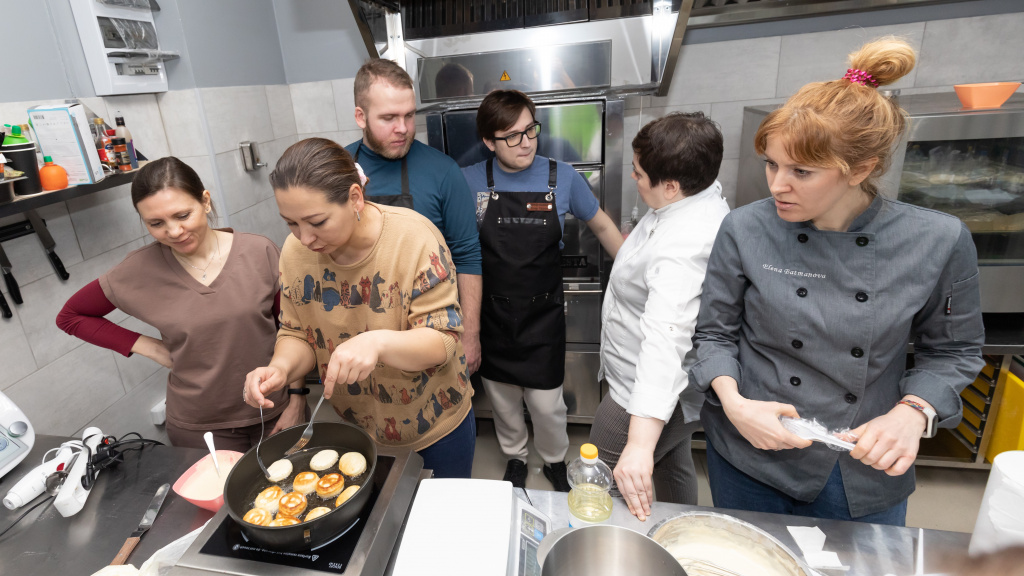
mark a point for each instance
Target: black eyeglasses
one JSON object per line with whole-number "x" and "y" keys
{"x": 515, "y": 139}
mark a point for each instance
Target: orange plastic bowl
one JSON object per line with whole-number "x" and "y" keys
{"x": 180, "y": 486}
{"x": 985, "y": 95}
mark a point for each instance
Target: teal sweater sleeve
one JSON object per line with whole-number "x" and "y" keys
{"x": 459, "y": 217}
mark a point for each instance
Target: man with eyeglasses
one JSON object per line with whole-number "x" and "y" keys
{"x": 522, "y": 200}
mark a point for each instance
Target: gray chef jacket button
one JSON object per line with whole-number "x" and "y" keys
{"x": 862, "y": 240}
{"x": 801, "y": 292}
{"x": 798, "y": 344}
{"x": 802, "y": 238}
{"x": 857, "y": 352}
{"x": 794, "y": 381}
{"x": 850, "y": 398}
{"x": 861, "y": 297}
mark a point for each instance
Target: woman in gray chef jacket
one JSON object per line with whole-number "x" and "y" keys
{"x": 810, "y": 299}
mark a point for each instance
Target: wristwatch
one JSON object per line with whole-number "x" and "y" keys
{"x": 929, "y": 414}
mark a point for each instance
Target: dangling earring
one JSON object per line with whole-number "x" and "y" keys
{"x": 358, "y": 219}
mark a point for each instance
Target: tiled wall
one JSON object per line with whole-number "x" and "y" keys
{"x": 63, "y": 384}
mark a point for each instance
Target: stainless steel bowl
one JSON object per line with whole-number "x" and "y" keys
{"x": 605, "y": 550}
{"x": 702, "y": 532}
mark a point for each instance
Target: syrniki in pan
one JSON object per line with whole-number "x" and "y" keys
{"x": 305, "y": 482}
{"x": 268, "y": 499}
{"x": 257, "y": 516}
{"x": 283, "y": 521}
{"x": 316, "y": 513}
{"x": 292, "y": 504}
{"x": 352, "y": 464}
{"x": 323, "y": 460}
{"x": 279, "y": 470}
{"x": 330, "y": 485}
{"x": 346, "y": 494}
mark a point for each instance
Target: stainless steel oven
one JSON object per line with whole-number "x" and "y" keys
{"x": 968, "y": 163}
{"x": 584, "y": 133}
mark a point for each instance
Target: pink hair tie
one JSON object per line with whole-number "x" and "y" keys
{"x": 860, "y": 77}
{"x": 362, "y": 175}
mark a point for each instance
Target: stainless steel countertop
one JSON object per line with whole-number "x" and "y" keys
{"x": 868, "y": 549}
{"x": 44, "y": 542}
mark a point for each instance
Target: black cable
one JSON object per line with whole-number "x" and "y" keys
{"x": 33, "y": 507}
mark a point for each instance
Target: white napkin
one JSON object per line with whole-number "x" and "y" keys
{"x": 811, "y": 541}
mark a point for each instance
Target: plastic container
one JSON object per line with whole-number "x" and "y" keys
{"x": 1009, "y": 425}
{"x": 124, "y": 161}
{"x": 14, "y": 135}
{"x": 183, "y": 488}
{"x": 591, "y": 479}
{"x": 122, "y": 131}
{"x": 52, "y": 176}
{"x": 985, "y": 95}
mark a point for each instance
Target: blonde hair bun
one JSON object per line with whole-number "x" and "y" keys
{"x": 887, "y": 59}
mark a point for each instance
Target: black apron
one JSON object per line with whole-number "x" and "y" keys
{"x": 522, "y": 322}
{"x": 403, "y": 200}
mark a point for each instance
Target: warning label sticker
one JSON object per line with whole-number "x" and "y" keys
{"x": 504, "y": 76}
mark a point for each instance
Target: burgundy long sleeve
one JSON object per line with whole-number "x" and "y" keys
{"x": 83, "y": 317}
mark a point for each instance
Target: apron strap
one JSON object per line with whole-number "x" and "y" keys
{"x": 405, "y": 170}
{"x": 490, "y": 174}
{"x": 552, "y": 175}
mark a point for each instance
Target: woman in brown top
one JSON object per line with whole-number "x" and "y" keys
{"x": 369, "y": 297}
{"x": 212, "y": 294}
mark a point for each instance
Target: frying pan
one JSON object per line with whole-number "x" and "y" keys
{"x": 246, "y": 476}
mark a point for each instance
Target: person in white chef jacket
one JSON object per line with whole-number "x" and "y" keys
{"x": 643, "y": 426}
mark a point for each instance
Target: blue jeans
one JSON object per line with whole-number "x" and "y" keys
{"x": 452, "y": 456}
{"x": 732, "y": 488}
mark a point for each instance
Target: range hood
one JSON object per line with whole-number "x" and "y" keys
{"x": 459, "y": 50}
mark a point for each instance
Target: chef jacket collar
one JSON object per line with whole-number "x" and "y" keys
{"x": 676, "y": 207}
{"x": 859, "y": 223}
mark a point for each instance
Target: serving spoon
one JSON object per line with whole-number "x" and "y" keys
{"x": 213, "y": 452}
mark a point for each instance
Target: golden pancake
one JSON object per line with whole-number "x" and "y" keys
{"x": 267, "y": 500}
{"x": 305, "y": 482}
{"x": 316, "y": 513}
{"x": 352, "y": 464}
{"x": 330, "y": 485}
{"x": 346, "y": 495}
{"x": 292, "y": 504}
{"x": 257, "y": 516}
{"x": 284, "y": 521}
{"x": 323, "y": 460}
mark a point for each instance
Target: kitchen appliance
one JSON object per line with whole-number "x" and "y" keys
{"x": 605, "y": 550}
{"x": 247, "y": 479}
{"x": 968, "y": 163}
{"x": 81, "y": 478}
{"x": 506, "y": 536}
{"x": 364, "y": 548}
{"x": 33, "y": 484}
{"x": 16, "y": 435}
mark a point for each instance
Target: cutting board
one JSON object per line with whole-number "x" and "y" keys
{"x": 457, "y": 527}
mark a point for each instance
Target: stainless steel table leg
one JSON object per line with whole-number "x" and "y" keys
{"x": 12, "y": 284}
{"x": 48, "y": 244}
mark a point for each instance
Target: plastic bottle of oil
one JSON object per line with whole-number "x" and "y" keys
{"x": 591, "y": 479}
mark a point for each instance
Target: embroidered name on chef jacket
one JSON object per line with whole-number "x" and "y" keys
{"x": 789, "y": 272}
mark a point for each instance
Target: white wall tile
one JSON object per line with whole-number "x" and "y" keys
{"x": 241, "y": 189}
{"x": 27, "y": 256}
{"x": 15, "y": 352}
{"x": 282, "y": 113}
{"x": 136, "y": 368}
{"x": 263, "y": 218}
{"x": 724, "y": 71}
{"x": 105, "y": 220}
{"x": 271, "y": 152}
{"x": 822, "y": 56}
{"x": 345, "y": 103}
{"x": 142, "y": 117}
{"x": 235, "y": 114}
{"x": 968, "y": 50}
{"x": 179, "y": 110}
{"x": 314, "y": 107}
{"x": 130, "y": 413}
{"x": 64, "y": 395}
{"x": 729, "y": 116}
{"x": 44, "y": 298}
